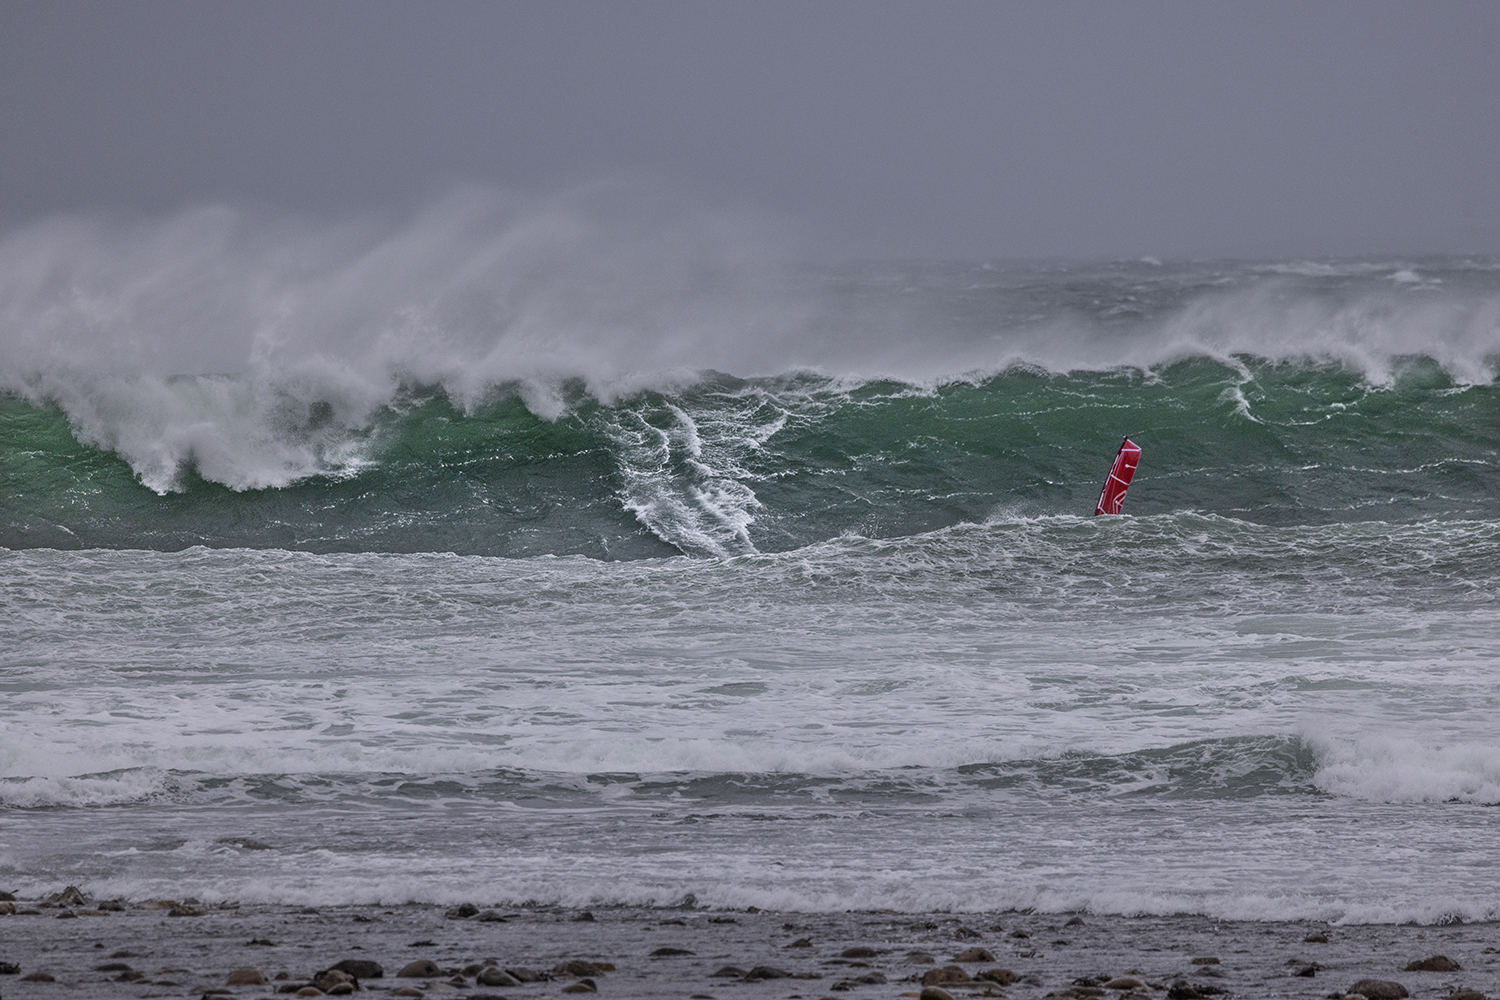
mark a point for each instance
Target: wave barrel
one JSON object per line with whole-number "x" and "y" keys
{"x": 1112, "y": 497}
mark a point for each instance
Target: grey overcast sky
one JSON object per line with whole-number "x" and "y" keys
{"x": 940, "y": 128}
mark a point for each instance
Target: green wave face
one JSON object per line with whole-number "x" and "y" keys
{"x": 728, "y": 465}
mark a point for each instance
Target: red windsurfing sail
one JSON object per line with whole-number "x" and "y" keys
{"x": 1112, "y": 497}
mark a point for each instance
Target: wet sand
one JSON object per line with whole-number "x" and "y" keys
{"x": 1050, "y": 954}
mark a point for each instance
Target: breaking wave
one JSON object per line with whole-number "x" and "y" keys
{"x": 549, "y": 373}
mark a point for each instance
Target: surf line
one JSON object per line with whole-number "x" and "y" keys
{"x": 1112, "y": 497}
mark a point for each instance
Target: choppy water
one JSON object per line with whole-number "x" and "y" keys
{"x": 434, "y": 619}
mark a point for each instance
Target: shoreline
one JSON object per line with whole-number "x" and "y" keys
{"x": 144, "y": 950}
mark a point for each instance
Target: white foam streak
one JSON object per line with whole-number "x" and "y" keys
{"x": 326, "y": 879}
{"x": 693, "y": 497}
{"x": 1391, "y": 769}
{"x": 83, "y": 790}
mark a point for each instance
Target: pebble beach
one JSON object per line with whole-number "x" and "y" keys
{"x": 174, "y": 948}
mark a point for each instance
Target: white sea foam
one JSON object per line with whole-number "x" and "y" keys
{"x": 45, "y": 791}
{"x": 850, "y": 658}
{"x": 1393, "y": 769}
{"x": 599, "y": 890}
{"x": 981, "y": 717}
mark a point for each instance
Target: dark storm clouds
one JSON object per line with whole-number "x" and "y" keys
{"x": 946, "y": 129}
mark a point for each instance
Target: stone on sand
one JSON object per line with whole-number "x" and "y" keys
{"x": 496, "y": 977}
{"x": 1186, "y": 991}
{"x": 935, "y": 993}
{"x": 1437, "y": 963}
{"x": 974, "y": 955}
{"x": 947, "y": 974}
{"x": 422, "y": 968}
{"x": 244, "y": 976}
{"x": 582, "y": 986}
{"x": 360, "y": 968}
{"x": 330, "y": 979}
{"x": 1125, "y": 983}
{"x": 581, "y": 969}
{"x": 526, "y": 975}
{"x": 1379, "y": 989}
{"x": 764, "y": 972}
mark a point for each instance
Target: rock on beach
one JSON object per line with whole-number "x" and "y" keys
{"x": 582, "y": 969}
{"x": 422, "y": 968}
{"x": 763, "y": 972}
{"x": 334, "y": 982}
{"x": 1124, "y": 983}
{"x": 947, "y": 974}
{"x": 1379, "y": 989}
{"x": 360, "y": 968}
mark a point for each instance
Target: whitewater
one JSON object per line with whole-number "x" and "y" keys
{"x": 549, "y": 554}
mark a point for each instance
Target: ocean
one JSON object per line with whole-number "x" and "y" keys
{"x": 331, "y": 575}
